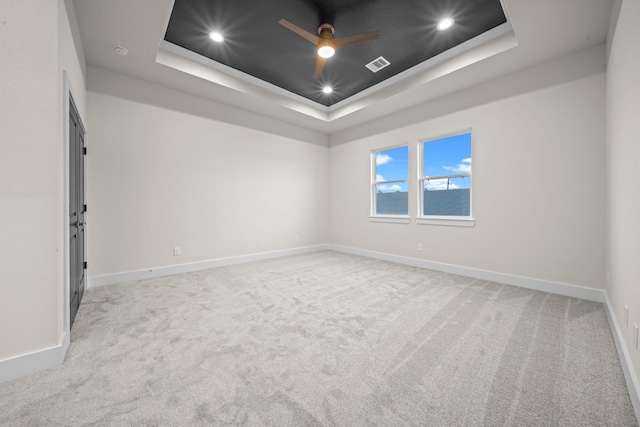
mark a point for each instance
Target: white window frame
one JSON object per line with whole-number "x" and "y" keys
{"x": 460, "y": 221}
{"x": 373, "y": 215}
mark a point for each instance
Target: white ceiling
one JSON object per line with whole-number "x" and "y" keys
{"x": 539, "y": 31}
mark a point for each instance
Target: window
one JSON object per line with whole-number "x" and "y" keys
{"x": 389, "y": 187}
{"x": 445, "y": 181}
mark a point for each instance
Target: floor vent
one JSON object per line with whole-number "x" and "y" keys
{"x": 378, "y": 64}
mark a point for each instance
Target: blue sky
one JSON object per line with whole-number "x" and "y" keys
{"x": 447, "y": 156}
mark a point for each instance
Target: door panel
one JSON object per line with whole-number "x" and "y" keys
{"x": 76, "y": 212}
{"x": 81, "y": 214}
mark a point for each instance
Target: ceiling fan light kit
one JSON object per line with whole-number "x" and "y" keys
{"x": 326, "y": 51}
{"x": 326, "y": 43}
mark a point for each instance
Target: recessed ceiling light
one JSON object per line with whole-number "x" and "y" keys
{"x": 327, "y": 89}
{"x": 216, "y": 36}
{"x": 445, "y": 23}
{"x": 121, "y": 50}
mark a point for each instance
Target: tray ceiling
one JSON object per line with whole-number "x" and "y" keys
{"x": 258, "y": 47}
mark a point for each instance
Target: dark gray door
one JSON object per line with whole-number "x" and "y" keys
{"x": 77, "y": 210}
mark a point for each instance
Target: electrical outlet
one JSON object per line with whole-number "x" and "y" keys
{"x": 635, "y": 335}
{"x": 177, "y": 251}
{"x": 626, "y": 316}
{"x": 420, "y": 247}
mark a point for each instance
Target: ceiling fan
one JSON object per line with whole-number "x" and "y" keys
{"x": 326, "y": 42}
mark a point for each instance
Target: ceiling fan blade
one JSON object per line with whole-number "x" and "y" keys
{"x": 299, "y": 31}
{"x": 357, "y": 39}
{"x": 319, "y": 66}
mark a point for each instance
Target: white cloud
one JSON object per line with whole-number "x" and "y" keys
{"x": 389, "y": 188}
{"x": 386, "y": 187}
{"x": 439, "y": 184}
{"x": 382, "y": 159}
{"x": 463, "y": 167}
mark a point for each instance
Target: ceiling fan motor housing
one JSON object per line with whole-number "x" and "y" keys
{"x": 326, "y": 31}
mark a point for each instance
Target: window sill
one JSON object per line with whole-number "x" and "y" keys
{"x": 458, "y": 221}
{"x": 398, "y": 219}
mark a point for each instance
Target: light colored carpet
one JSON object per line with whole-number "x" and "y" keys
{"x": 328, "y": 339}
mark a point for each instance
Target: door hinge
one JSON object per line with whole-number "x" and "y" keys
{"x": 85, "y": 208}
{"x": 84, "y": 150}
{"x": 85, "y": 265}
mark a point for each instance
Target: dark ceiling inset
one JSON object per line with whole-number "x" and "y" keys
{"x": 257, "y": 45}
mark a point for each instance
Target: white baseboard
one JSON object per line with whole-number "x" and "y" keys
{"x": 630, "y": 375}
{"x": 575, "y": 291}
{"x": 130, "y": 276}
{"x": 30, "y": 363}
{"x": 589, "y": 294}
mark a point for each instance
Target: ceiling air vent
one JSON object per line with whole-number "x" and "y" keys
{"x": 377, "y": 64}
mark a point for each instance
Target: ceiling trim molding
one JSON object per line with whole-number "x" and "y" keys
{"x": 474, "y": 43}
{"x": 190, "y": 62}
{"x": 492, "y": 42}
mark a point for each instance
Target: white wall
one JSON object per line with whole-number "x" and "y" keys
{"x": 538, "y": 180}
{"x": 72, "y": 67}
{"x": 31, "y": 173}
{"x": 160, "y": 177}
{"x": 28, "y": 176}
{"x": 71, "y": 55}
{"x": 623, "y": 154}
